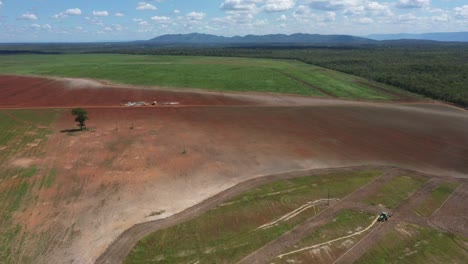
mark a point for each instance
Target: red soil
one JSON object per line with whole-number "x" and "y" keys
{"x": 16, "y": 91}
{"x": 133, "y": 163}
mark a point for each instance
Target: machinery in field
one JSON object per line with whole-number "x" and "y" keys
{"x": 384, "y": 216}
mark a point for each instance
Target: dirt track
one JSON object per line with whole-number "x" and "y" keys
{"x": 135, "y": 153}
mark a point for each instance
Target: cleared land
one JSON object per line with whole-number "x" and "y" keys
{"x": 143, "y": 164}
{"x": 214, "y": 73}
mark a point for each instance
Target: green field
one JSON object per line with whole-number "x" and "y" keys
{"x": 414, "y": 244}
{"x": 230, "y": 232}
{"x": 345, "y": 223}
{"x": 23, "y": 133}
{"x": 396, "y": 190}
{"x": 214, "y": 73}
{"x": 438, "y": 196}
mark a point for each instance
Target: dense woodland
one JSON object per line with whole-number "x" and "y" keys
{"x": 436, "y": 70}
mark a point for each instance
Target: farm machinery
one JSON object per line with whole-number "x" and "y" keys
{"x": 384, "y": 216}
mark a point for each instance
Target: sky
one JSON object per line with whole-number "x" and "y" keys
{"x": 122, "y": 20}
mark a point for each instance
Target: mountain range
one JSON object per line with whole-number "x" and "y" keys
{"x": 299, "y": 38}
{"x": 436, "y": 36}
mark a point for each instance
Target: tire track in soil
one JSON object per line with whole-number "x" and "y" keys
{"x": 289, "y": 239}
{"x": 125, "y": 242}
{"x": 400, "y": 213}
{"x": 306, "y": 84}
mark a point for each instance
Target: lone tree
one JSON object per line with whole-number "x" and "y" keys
{"x": 81, "y": 116}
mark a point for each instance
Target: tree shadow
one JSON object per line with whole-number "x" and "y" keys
{"x": 70, "y": 130}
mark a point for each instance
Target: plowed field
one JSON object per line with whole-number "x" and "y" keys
{"x": 146, "y": 163}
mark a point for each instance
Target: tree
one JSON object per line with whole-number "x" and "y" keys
{"x": 81, "y": 116}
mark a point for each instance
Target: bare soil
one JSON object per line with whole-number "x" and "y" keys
{"x": 136, "y": 161}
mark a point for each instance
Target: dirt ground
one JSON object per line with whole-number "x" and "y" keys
{"x": 138, "y": 161}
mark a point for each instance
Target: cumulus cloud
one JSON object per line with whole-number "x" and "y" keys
{"x": 145, "y": 6}
{"x": 365, "y": 20}
{"x": 195, "y": 16}
{"x": 240, "y": 5}
{"x": 278, "y": 5}
{"x": 119, "y": 14}
{"x": 328, "y": 5}
{"x": 282, "y": 18}
{"x": 413, "y": 3}
{"x": 253, "y": 6}
{"x": 161, "y": 19}
{"x": 461, "y": 12}
{"x": 176, "y": 11}
{"x": 304, "y": 14}
{"x": 441, "y": 18}
{"x": 67, "y": 13}
{"x": 100, "y": 13}
{"x": 73, "y": 12}
{"x": 45, "y": 26}
{"x": 28, "y": 16}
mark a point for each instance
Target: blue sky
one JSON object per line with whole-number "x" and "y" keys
{"x": 116, "y": 20}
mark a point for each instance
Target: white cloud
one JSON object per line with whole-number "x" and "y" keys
{"x": 73, "y": 12}
{"x": 367, "y": 8}
{"x": 461, "y": 12}
{"x": 28, "y": 16}
{"x": 441, "y": 18}
{"x": 161, "y": 19}
{"x": 282, "y": 18}
{"x": 119, "y": 14}
{"x": 407, "y": 18}
{"x": 330, "y": 5}
{"x": 45, "y": 26}
{"x": 100, "y": 13}
{"x": 278, "y": 5}
{"x": 195, "y": 16}
{"x": 240, "y": 5}
{"x": 413, "y": 3}
{"x": 145, "y": 6}
{"x": 67, "y": 13}
{"x": 176, "y": 11}
{"x": 365, "y": 20}
{"x": 304, "y": 14}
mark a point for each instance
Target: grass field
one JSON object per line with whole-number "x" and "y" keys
{"x": 345, "y": 223}
{"x": 438, "y": 196}
{"x": 214, "y": 73}
{"x": 413, "y": 244}
{"x": 396, "y": 190}
{"x": 23, "y": 133}
{"x": 230, "y": 232}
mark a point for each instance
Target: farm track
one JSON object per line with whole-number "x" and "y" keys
{"x": 122, "y": 246}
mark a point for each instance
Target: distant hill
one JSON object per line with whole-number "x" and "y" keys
{"x": 438, "y": 36}
{"x": 197, "y": 38}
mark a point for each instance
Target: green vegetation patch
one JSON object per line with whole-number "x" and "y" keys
{"x": 414, "y": 244}
{"x": 22, "y": 135}
{"x": 346, "y": 222}
{"x": 231, "y": 231}
{"x": 214, "y": 73}
{"x": 438, "y": 196}
{"x": 396, "y": 190}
